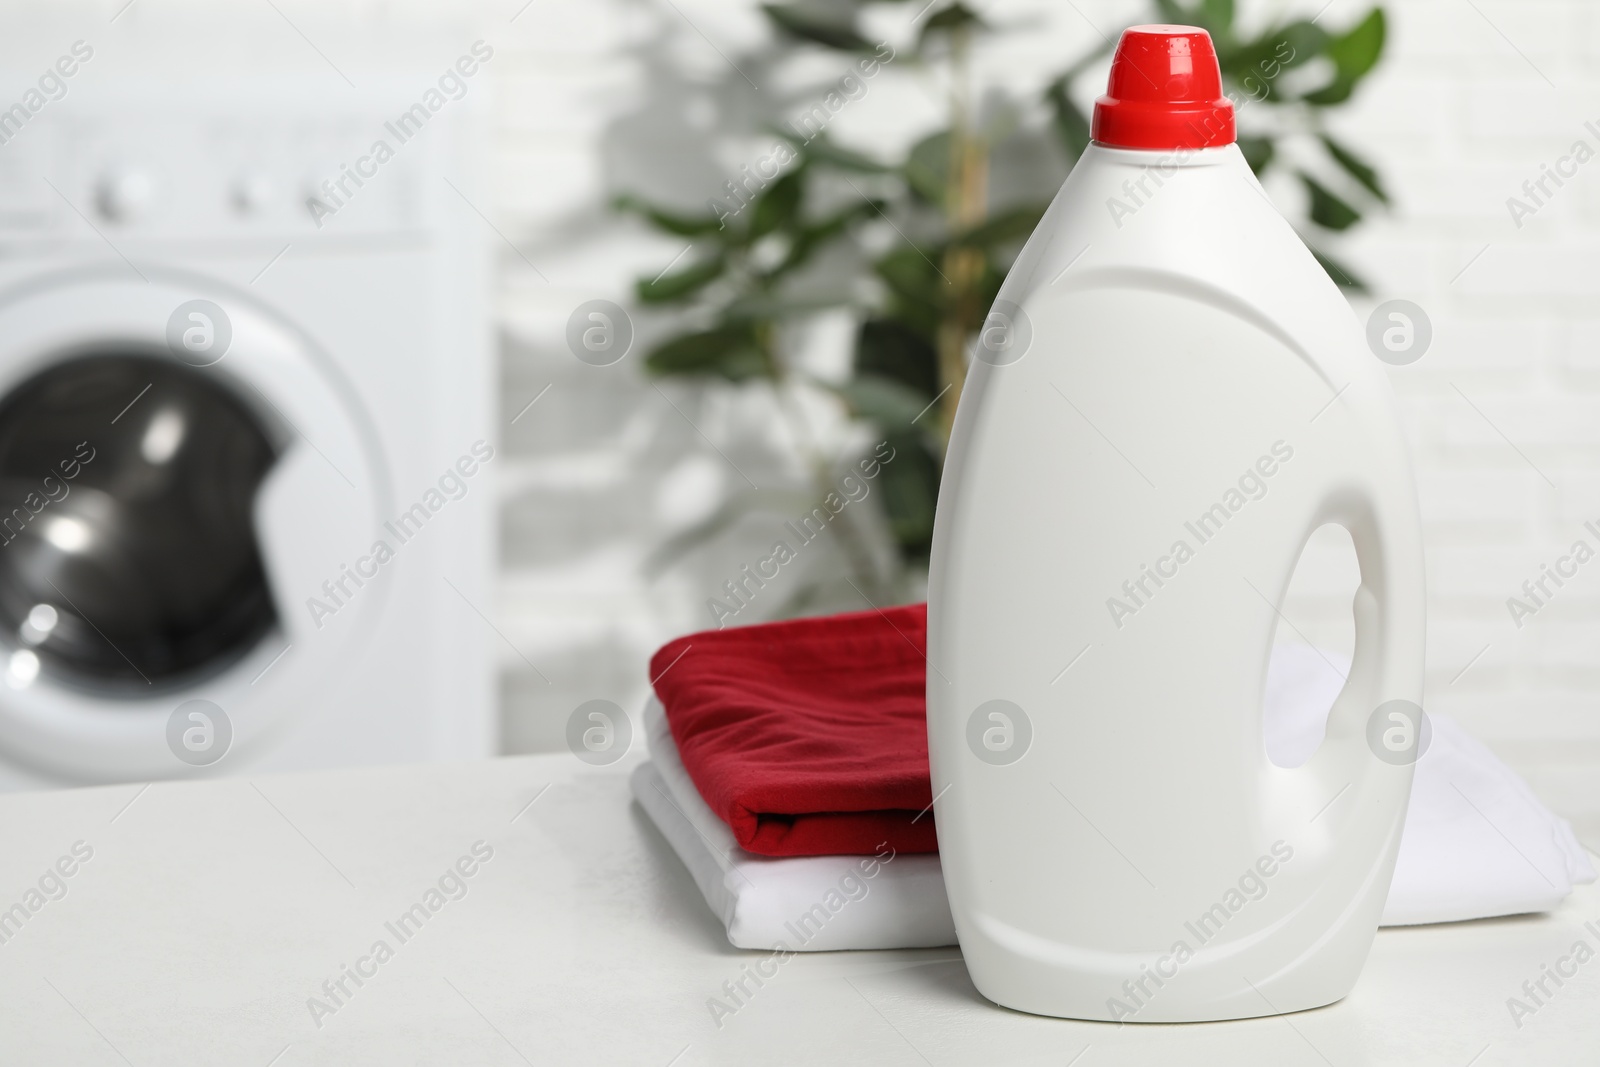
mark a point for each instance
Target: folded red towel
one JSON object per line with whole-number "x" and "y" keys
{"x": 807, "y": 737}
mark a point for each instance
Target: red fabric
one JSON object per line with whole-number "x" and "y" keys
{"x": 807, "y": 737}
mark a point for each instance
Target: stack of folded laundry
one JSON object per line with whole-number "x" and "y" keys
{"x": 789, "y": 771}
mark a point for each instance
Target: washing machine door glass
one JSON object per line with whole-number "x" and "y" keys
{"x": 128, "y": 557}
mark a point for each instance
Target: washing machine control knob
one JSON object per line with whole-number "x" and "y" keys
{"x": 124, "y": 195}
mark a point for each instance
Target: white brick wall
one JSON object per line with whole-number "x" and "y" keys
{"x": 1457, "y": 120}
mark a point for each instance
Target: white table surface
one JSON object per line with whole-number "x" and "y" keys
{"x": 211, "y": 911}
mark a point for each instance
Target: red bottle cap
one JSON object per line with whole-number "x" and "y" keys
{"x": 1165, "y": 91}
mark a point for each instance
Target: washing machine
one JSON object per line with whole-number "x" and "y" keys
{"x": 247, "y": 448}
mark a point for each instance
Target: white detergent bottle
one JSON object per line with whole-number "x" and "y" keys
{"x": 1169, "y": 396}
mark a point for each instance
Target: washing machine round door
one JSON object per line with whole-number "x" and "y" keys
{"x": 132, "y": 560}
{"x": 181, "y": 472}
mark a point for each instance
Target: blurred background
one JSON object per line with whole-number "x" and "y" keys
{"x": 1462, "y": 104}
{"x": 680, "y": 264}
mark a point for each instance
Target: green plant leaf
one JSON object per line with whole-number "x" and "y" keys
{"x": 910, "y": 487}
{"x": 1217, "y": 17}
{"x": 1341, "y": 275}
{"x": 1335, "y": 92}
{"x": 808, "y": 26}
{"x": 823, "y": 150}
{"x": 916, "y": 291}
{"x": 988, "y": 288}
{"x": 1070, "y": 123}
{"x": 815, "y": 235}
{"x": 778, "y": 204}
{"x": 1355, "y": 53}
{"x": 885, "y": 402}
{"x": 729, "y": 352}
{"x": 1297, "y": 43}
{"x": 1327, "y": 209}
{"x": 1255, "y": 66}
{"x": 1356, "y": 167}
{"x": 1174, "y": 14}
{"x": 1258, "y": 152}
{"x": 911, "y": 273}
{"x": 1014, "y": 224}
{"x": 927, "y": 168}
{"x": 679, "y": 284}
{"x": 765, "y": 307}
{"x": 682, "y": 225}
{"x": 890, "y": 348}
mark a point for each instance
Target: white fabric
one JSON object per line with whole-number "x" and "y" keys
{"x": 894, "y": 902}
{"x": 1477, "y": 842}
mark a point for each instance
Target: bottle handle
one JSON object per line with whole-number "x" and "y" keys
{"x": 1390, "y": 605}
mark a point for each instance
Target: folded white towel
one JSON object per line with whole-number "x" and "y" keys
{"x": 1477, "y": 842}
{"x": 878, "y": 902}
